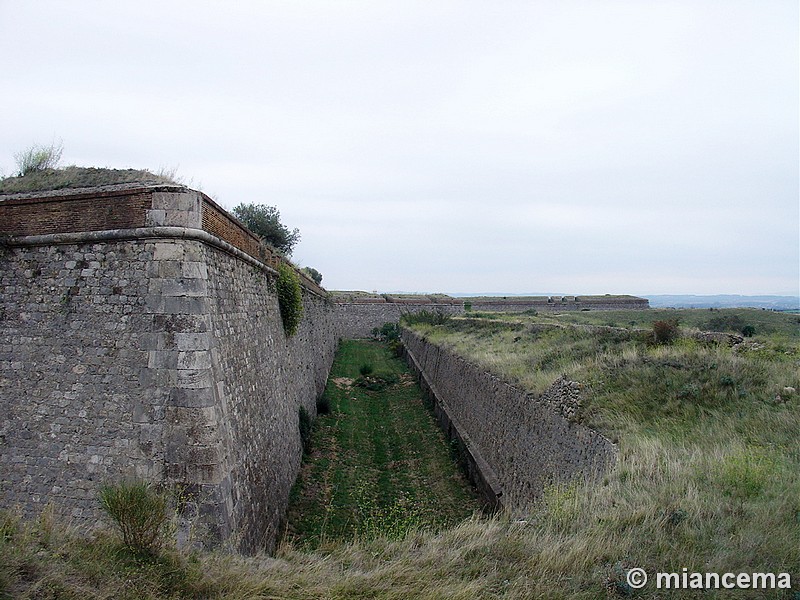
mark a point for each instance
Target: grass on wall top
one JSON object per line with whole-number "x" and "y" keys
{"x": 82, "y": 177}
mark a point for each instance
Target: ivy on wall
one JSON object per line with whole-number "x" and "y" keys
{"x": 290, "y": 298}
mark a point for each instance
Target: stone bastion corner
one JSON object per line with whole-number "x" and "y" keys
{"x": 141, "y": 339}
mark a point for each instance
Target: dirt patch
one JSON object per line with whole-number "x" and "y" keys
{"x": 407, "y": 380}
{"x": 343, "y": 383}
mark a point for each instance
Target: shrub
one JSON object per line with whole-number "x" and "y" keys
{"x": 265, "y": 222}
{"x": 304, "y": 424}
{"x": 139, "y": 512}
{"x": 390, "y": 333}
{"x": 387, "y": 332}
{"x": 39, "y": 158}
{"x": 290, "y": 298}
{"x": 365, "y": 370}
{"x": 665, "y": 331}
{"x": 748, "y": 331}
{"x": 315, "y": 275}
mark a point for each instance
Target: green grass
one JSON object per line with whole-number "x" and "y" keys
{"x": 708, "y": 475}
{"x": 767, "y": 324}
{"x": 379, "y": 466}
{"x": 79, "y": 177}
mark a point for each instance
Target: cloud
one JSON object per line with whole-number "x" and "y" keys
{"x": 573, "y": 147}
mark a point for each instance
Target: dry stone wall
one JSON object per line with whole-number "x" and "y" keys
{"x": 517, "y": 443}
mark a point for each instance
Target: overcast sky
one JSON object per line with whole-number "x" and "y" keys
{"x": 641, "y": 147}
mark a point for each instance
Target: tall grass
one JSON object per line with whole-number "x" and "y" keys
{"x": 708, "y": 476}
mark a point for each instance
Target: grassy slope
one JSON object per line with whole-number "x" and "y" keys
{"x": 79, "y": 177}
{"x": 766, "y": 323}
{"x": 378, "y": 464}
{"x": 709, "y": 470}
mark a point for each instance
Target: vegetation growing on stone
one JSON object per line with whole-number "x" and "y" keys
{"x": 80, "y": 177}
{"x": 315, "y": 275}
{"x": 38, "y": 158}
{"x": 707, "y": 479}
{"x": 290, "y": 298}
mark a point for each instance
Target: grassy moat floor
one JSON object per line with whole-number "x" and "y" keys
{"x": 377, "y": 465}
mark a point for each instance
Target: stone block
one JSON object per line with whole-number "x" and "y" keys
{"x": 184, "y": 287}
{"x": 171, "y": 201}
{"x": 156, "y": 218}
{"x": 195, "y": 378}
{"x": 162, "y": 359}
{"x": 193, "y": 341}
{"x": 168, "y": 251}
{"x": 194, "y": 270}
{"x": 197, "y": 359}
{"x": 192, "y": 397}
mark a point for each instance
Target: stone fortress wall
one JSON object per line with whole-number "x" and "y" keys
{"x": 515, "y": 443}
{"x": 140, "y": 337}
{"x": 362, "y": 312}
{"x": 136, "y": 344}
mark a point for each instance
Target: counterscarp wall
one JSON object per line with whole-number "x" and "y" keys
{"x": 516, "y": 443}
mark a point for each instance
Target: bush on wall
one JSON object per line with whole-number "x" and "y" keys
{"x": 290, "y": 298}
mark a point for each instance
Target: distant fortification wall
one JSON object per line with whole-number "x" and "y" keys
{"x": 153, "y": 351}
{"x": 358, "y": 319}
{"x": 516, "y": 443}
{"x": 360, "y": 313}
{"x": 557, "y": 303}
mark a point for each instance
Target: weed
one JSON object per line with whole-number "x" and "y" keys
{"x": 39, "y": 158}
{"x": 290, "y": 298}
{"x": 139, "y": 512}
{"x": 304, "y": 425}
{"x": 378, "y": 382}
{"x": 665, "y": 332}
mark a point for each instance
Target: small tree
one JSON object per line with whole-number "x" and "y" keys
{"x": 39, "y": 158}
{"x": 265, "y": 222}
{"x": 315, "y": 275}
